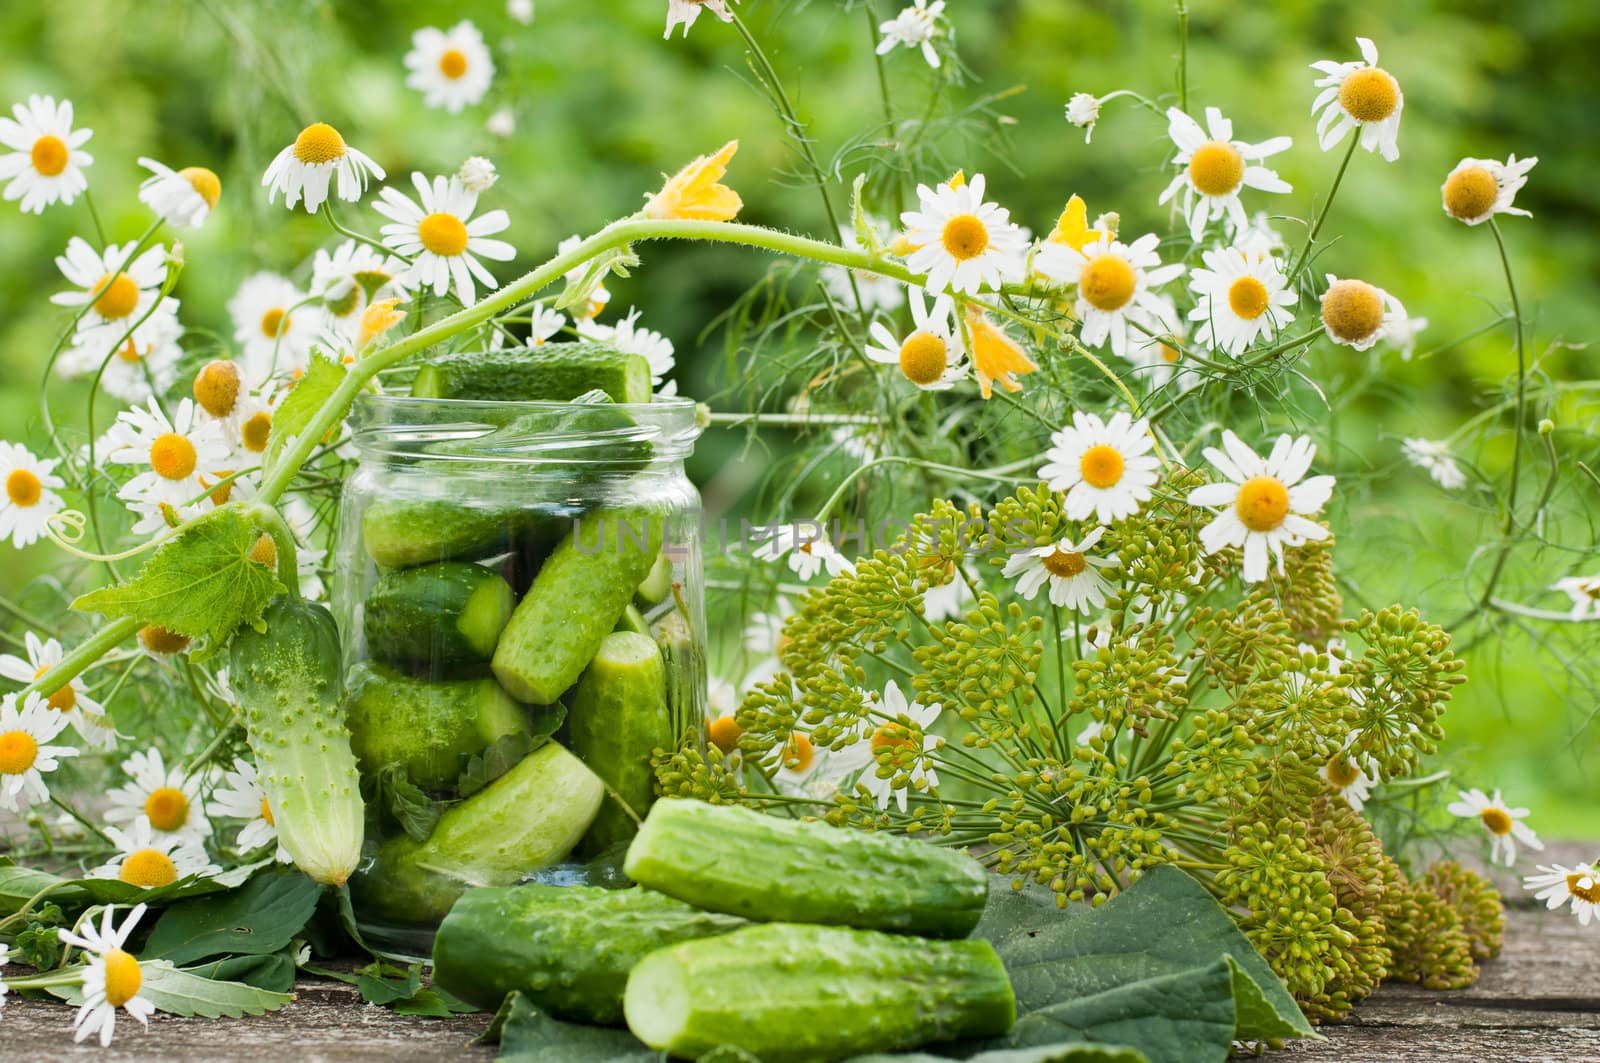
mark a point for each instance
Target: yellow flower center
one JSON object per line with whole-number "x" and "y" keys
{"x": 255, "y": 432}
{"x": 891, "y": 736}
{"x": 148, "y": 868}
{"x": 1342, "y": 772}
{"x": 1064, "y": 563}
{"x": 1101, "y": 466}
{"x": 1170, "y": 354}
{"x": 18, "y": 751}
{"x": 1352, "y": 310}
{"x": 63, "y": 700}
{"x": 129, "y": 352}
{"x": 798, "y": 752}
{"x": 264, "y": 551}
{"x": 1262, "y": 504}
{"x": 724, "y": 733}
{"x": 923, "y": 358}
{"x": 318, "y": 143}
{"x": 162, "y": 640}
{"x": 443, "y": 234}
{"x": 1248, "y": 298}
{"x": 1590, "y": 892}
{"x": 167, "y": 807}
{"x": 216, "y": 388}
{"x": 275, "y": 322}
{"x": 1497, "y": 820}
{"x": 965, "y": 237}
{"x": 172, "y": 456}
{"x": 1470, "y": 193}
{"x": 224, "y": 490}
{"x": 1107, "y": 282}
{"x": 1369, "y": 95}
{"x": 452, "y": 64}
{"x": 23, "y": 488}
{"x": 266, "y": 814}
{"x": 203, "y": 181}
{"x": 49, "y": 155}
{"x": 115, "y": 296}
{"x": 123, "y": 977}
{"x": 1216, "y": 168}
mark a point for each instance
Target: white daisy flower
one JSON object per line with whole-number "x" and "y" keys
{"x": 112, "y": 978}
{"x": 1353, "y": 781}
{"x": 1357, "y": 314}
{"x": 1115, "y": 283}
{"x": 1266, "y": 502}
{"x": 503, "y": 123}
{"x": 877, "y": 291}
{"x": 807, "y": 549}
{"x": 1504, "y": 824}
{"x": 148, "y": 356}
{"x": 276, "y": 325}
{"x": 149, "y": 858}
{"x": 1557, "y": 884}
{"x": 183, "y": 197}
{"x": 684, "y": 12}
{"x": 168, "y": 799}
{"x": 1074, "y": 577}
{"x": 1257, "y": 237}
{"x": 30, "y": 499}
{"x": 1104, "y": 468}
{"x": 1216, "y": 168}
{"x": 117, "y": 288}
{"x": 1584, "y": 592}
{"x": 543, "y": 323}
{"x": 916, "y": 26}
{"x": 906, "y": 745}
{"x": 626, "y": 335}
{"x": 1400, "y": 329}
{"x": 441, "y": 237}
{"x": 352, "y": 275}
{"x": 71, "y": 701}
{"x": 307, "y": 168}
{"x": 1361, "y": 96}
{"x": 961, "y": 242}
{"x": 520, "y": 11}
{"x": 25, "y": 756}
{"x": 1478, "y": 189}
{"x": 176, "y": 452}
{"x": 932, "y": 355}
{"x": 1240, "y": 298}
{"x": 1434, "y": 457}
{"x": 46, "y": 161}
{"x": 451, "y": 68}
{"x": 241, "y": 796}
{"x": 477, "y": 174}
{"x": 1083, "y": 111}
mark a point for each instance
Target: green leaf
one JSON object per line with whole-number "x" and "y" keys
{"x": 78, "y": 891}
{"x": 528, "y": 1034}
{"x": 201, "y": 583}
{"x": 311, "y": 392}
{"x": 185, "y": 993}
{"x": 413, "y": 809}
{"x": 434, "y": 1004}
{"x": 1076, "y": 1052}
{"x": 379, "y": 988}
{"x": 257, "y": 919}
{"x": 503, "y": 754}
{"x": 19, "y": 885}
{"x": 274, "y": 971}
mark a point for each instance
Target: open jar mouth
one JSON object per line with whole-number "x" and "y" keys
{"x": 528, "y": 433}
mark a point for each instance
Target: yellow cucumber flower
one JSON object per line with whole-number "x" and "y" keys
{"x": 693, "y": 193}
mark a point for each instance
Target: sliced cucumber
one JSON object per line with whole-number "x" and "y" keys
{"x": 617, "y": 717}
{"x": 437, "y": 616}
{"x": 658, "y": 584}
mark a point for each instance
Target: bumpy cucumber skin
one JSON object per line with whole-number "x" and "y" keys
{"x": 575, "y": 601}
{"x": 556, "y": 372}
{"x": 567, "y": 948}
{"x": 428, "y": 728}
{"x": 801, "y": 994}
{"x": 437, "y": 615}
{"x": 287, "y": 680}
{"x": 735, "y": 860}
{"x": 617, "y": 717}
{"x": 399, "y": 533}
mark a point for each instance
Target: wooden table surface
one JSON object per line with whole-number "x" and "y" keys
{"x": 1540, "y": 1000}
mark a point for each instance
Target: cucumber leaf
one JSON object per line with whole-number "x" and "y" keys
{"x": 186, "y": 993}
{"x": 201, "y": 583}
{"x": 274, "y": 971}
{"x": 260, "y": 918}
{"x": 75, "y": 891}
{"x": 413, "y": 809}
{"x": 503, "y": 754}
{"x": 528, "y": 1034}
{"x": 322, "y": 378}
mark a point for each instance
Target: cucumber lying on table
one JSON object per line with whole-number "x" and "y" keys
{"x": 567, "y": 948}
{"x": 801, "y": 994}
{"x": 428, "y": 727}
{"x": 556, "y": 372}
{"x": 441, "y": 615}
{"x": 617, "y": 717}
{"x": 729, "y": 859}
{"x": 530, "y": 817}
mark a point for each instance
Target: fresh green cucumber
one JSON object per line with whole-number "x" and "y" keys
{"x": 729, "y": 859}
{"x": 555, "y": 372}
{"x": 437, "y": 616}
{"x": 657, "y": 584}
{"x": 787, "y": 993}
{"x": 592, "y": 438}
{"x": 568, "y": 948}
{"x": 574, "y": 602}
{"x": 529, "y": 818}
{"x": 399, "y": 533}
{"x": 633, "y": 620}
{"x": 617, "y": 717}
{"x": 429, "y": 728}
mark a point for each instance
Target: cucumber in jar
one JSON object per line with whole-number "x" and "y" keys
{"x": 616, "y": 719}
{"x": 427, "y": 727}
{"x": 555, "y": 372}
{"x": 437, "y": 616}
{"x": 402, "y": 532}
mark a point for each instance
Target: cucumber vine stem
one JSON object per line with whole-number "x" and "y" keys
{"x": 271, "y": 522}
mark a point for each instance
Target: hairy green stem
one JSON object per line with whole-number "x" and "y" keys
{"x": 85, "y": 654}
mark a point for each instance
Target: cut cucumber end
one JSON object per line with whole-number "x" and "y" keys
{"x": 428, "y": 384}
{"x": 656, "y": 1001}
{"x": 658, "y": 584}
{"x": 636, "y": 384}
{"x": 485, "y": 614}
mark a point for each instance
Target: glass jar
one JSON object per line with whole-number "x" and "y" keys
{"x": 521, "y": 602}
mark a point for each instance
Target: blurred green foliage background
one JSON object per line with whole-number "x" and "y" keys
{"x": 603, "y": 106}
